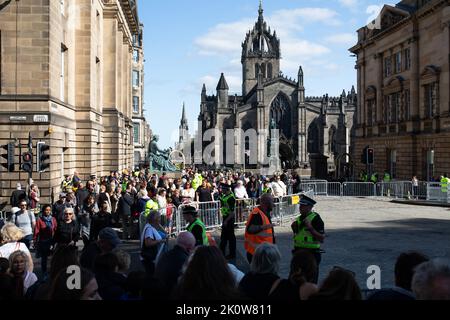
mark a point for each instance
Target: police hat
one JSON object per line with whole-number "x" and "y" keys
{"x": 307, "y": 201}
{"x": 190, "y": 210}
{"x": 225, "y": 187}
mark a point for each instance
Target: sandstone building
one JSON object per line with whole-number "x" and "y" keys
{"x": 403, "y": 89}
{"x": 66, "y": 78}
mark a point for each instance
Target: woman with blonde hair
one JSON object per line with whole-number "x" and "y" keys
{"x": 10, "y": 236}
{"x": 24, "y": 279}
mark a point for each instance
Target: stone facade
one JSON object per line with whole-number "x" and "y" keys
{"x": 71, "y": 64}
{"x": 314, "y": 131}
{"x": 403, "y": 90}
{"x": 141, "y": 129}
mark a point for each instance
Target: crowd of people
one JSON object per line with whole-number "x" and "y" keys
{"x": 79, "y": 230}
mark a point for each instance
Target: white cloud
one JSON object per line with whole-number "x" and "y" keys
{"x": 224, "y": 41}
{"x": 342, "y": 39}
{"x": 348, "y": 3}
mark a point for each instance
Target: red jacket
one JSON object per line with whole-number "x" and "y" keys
{"x": 41, "y": 232}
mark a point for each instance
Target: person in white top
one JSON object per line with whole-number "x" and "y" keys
{"x": 279, "y": 188}
{"x": 18, "y": 262}
{"x": 240, "y": 192}
{"x": 10, "y": 236}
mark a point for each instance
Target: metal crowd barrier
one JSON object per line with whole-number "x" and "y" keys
{"x": 397, "y": 189}
{"x": 243, "y": 208}
{"x": 170, "y": 212}
{"x": 3, "y": 216}
{"x": 358, "y": 189}
{"x": 434, "y": 193}
{"x": 208, "y": 212}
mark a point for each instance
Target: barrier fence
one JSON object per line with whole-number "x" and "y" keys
{"x": 287, "y": 208}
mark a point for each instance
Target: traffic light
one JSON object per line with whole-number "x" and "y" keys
{"x": 370, "y": 154}
{"x": 42, "y": 156}
{"x": 27, "y": 162}
{"x": 9, "y": 156}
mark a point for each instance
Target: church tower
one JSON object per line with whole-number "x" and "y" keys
{"x": 183, "y": 129}
{"x": 260, "y": 53}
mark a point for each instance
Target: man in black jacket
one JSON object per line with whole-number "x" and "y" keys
{"x": 124, "y": 211}
{"x": 170, "y": 265}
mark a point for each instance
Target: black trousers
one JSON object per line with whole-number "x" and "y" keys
{"x": 317, "y": 255}
{"x": 228, "y": 236}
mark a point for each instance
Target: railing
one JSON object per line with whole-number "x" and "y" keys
{"x": 287, "y": 208}
{"x": 358, "y": 189}
{"x": 435, "y": 192}
{"x": 397, "y": 189}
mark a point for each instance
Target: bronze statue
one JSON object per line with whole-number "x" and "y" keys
{"x": 159, "y": 159}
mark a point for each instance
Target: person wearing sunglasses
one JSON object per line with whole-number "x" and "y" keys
{"x": 68, "y": 231}
{"x": 309, "y": 230}
{"x": 25, "y": 220}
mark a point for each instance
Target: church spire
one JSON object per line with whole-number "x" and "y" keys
{"x": 183, "y": 116}
{"x": 260, "y": 11}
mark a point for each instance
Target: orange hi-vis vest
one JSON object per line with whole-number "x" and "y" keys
{"x": 252, "y": 241}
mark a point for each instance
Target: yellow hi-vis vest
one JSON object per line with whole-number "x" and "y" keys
{"x": 444, "y": 184}
{"x": 304, "y": 238}
{"x": 149, "y": 206}
{"x": 198, "y": 222}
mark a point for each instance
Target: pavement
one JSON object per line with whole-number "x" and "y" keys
{"x": 360, "y": 232}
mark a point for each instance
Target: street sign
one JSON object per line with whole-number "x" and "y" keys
{"x": 40, "y": 118}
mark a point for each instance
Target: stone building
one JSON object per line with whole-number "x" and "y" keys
{"x": 403, "y": 89}
{"x": 141, "y": 134}
{"x": 314, "y": 131}
{"x": 66, "y": 79}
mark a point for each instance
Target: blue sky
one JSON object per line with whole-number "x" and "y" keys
{"x": 190, "y": 42}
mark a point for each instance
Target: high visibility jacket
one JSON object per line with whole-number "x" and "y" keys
{"x": 387, "y": 177}
{"x": 374, "y": 178}
{"x": 444, "y": 184}
{"x": 198, "y": 222}
{"x": 224, "y": 206}
{"x": 252, "y": 241}
{"x": 266, "y": 190}
{"x": 365, "y": 178}
{"x": 149, "y": 206}
{"x": 304, "y": 239}
{"x": 197, "y": 181}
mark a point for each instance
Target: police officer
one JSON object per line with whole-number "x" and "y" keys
{"x": 309, "y": 230}
{"x": 387, "y": 177}
{"x": 196, "y": 226}
{"x": 227, "y": 206}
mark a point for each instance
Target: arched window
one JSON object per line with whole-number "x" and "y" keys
{"x": 263, "y": 70}
{"x": 256, "y": 70}
{"x": 313, "y": 138}
{"x": 269, "y": 71}
{"x": 332, "y": 141}
{"x": 280, "y": 111}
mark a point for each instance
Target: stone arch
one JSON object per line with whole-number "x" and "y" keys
{"x": 314, "y": 138}
{"x": 332, "y": 140}
{"x": 281, "y": 112}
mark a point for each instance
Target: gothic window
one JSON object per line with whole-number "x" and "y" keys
{"x": 332, "y": 143}
{"x": 269, "y": 71}
{"x": 263, "y": 67}
{"x": 257, "y": 68}
{"x": 280, "y": 111}
{"x": 313, "y": 139}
